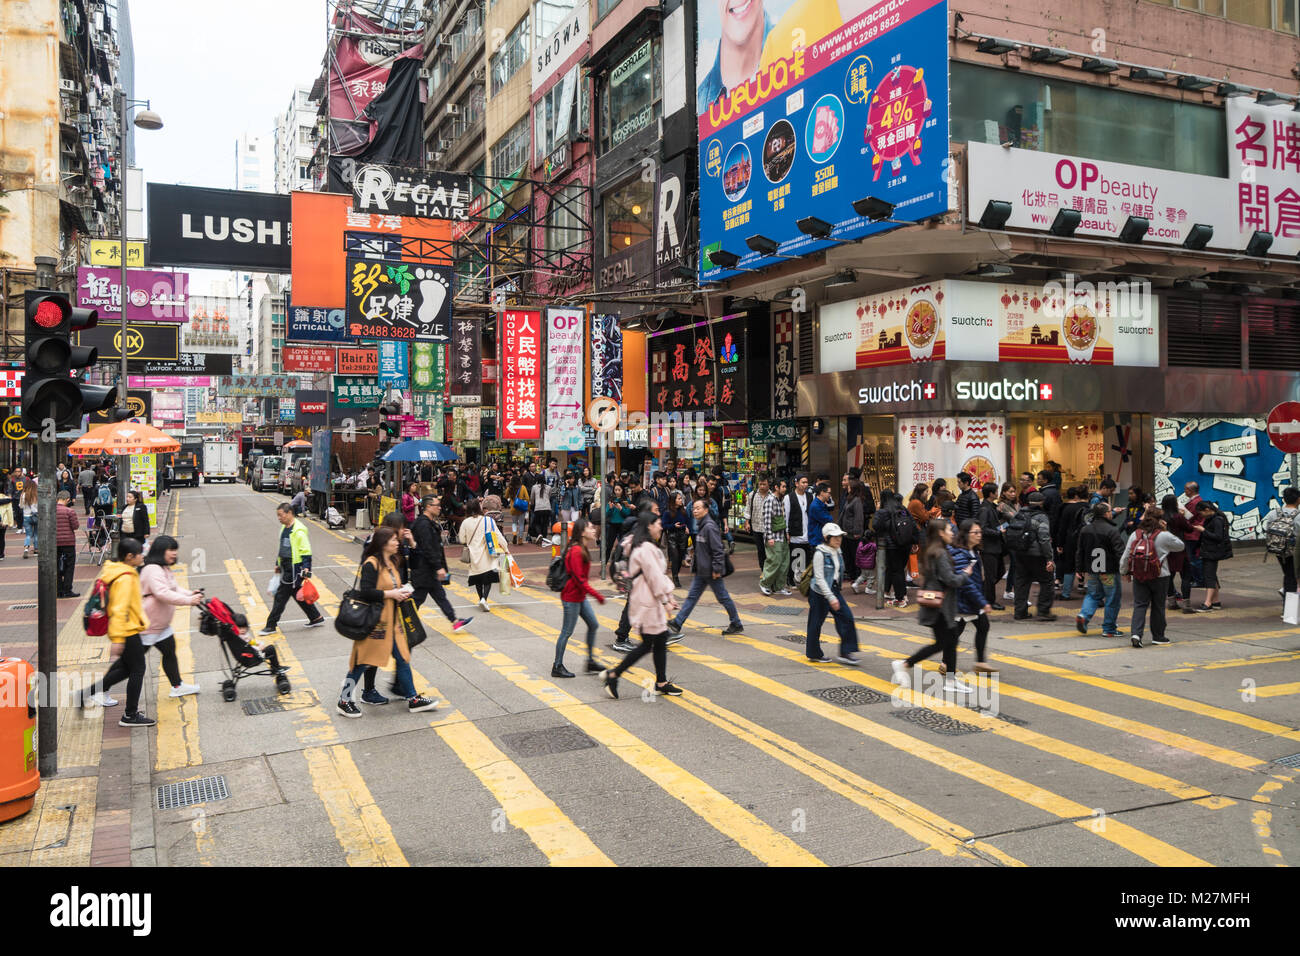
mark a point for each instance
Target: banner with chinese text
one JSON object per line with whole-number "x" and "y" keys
{"x": 1264, "y": 142}
{"x": 398, "y": 300}
{"x": 392, "y": 364}
{"x": 307, "y": 358}
{"x": 466, "y": 363}
{"x": 354, "y": 391}
{"x": 256, "y": 386}
{"x": 520, "y": 333}
{"x": 564, "y": 366}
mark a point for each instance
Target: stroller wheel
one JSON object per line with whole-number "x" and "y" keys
{"x": 282, "y": 684}
{"x": 228, "y": 690}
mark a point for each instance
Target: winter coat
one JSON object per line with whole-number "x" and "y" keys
{"x": 1166, "y": 544}
{"x": 1178, "y": 527}
{"x": 391, "y": 636}
{"x": 939, "y": 575}
{"x": 968, "y": 505}
{"x": 852, "y": 517}
{"x": 139, "y": 522}
{"x": 990, "y": 520}
{"x": 1041, "y": 524}
{"x": 428, "y": 556}
{"x": 970, "y": 597}
{"x": 576, "y": 587}
{"x": 1052, "y": 504}
{"x": 1067, "y": 533}
{"x": 818, "y": 516}
{"x": 473, "y": 534}
{"x": 1215, "y": 543}
{"x": 651, "y": 587}
{"x": 162, "y": 595}
{"x": 65, "y": 526}
{"x": 409, "y": 502}
{"x": 709, "y": 553}
{"x": 125, "y": 606}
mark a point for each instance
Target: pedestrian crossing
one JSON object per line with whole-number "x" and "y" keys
{"x": 752, "y": 765}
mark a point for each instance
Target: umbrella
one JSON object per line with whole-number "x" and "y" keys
{"x": 124, "y": 438}
{"x": 297, "y": 443}
{"x": 420, "y": 450}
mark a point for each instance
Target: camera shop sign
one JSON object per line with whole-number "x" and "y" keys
{"x": 403, "y": 191}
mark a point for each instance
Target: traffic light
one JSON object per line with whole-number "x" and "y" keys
{"x": 49, "y": 390}
{"x": 388, "y": 430}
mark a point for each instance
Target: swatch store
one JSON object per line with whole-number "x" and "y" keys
{"x": 927, "y": 381}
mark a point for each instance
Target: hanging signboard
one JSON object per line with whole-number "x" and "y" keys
{"x": 108, "y": 252}
{"x": 358, "y": 361}
{"x": 355, "y": 391}
{"x": 392, "y": 364}
{"x": 256, "y": 386}
{"x": 520, "y": 333}
{"x": 784, "y": 374}
{"x": 187, "y": 363}
{"x": 307, "y": 358}
{"x": 305, "y": 323}
{"x": 404, "y": 191}
{"x": 466, "y": 363}
{"x": 154, "y": 296}
{"x": 221, "y": 228}
{"x": 565, "y": 328}
{"x": 388, "y": 299}
{"x": 606, "y": 358}
{"x": 143, "y": 342}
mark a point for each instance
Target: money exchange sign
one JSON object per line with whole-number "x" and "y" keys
{"x": 521, "y": 337}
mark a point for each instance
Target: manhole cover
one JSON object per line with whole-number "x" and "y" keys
{"x": 553, "y": 740}
{"x": 785, "y": 609}
{"x": 1292, "y": 761}
{"x": 172, "y": 796}
{"x": 256, "y": 706}
{"x": 795, "y": 638}
{"x": 850, "y": 695}
{"x": 25, "y": 606}
{"x": 932, "y": 720}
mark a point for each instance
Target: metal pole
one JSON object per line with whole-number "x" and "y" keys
{"x": 47, "y": 648}
{"x": 123, "y": 463}
{"x": 1294, "y": 469}
{"x": 603, "y": 502}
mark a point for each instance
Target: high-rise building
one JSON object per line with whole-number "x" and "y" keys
{"x": 254, "y": 163}
{"x": 295, "y": 142}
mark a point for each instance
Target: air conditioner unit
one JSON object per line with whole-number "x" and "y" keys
{"x": 444, "y": 144}
{"x": 453, "y": 109}
{"x": 68, "y": 86}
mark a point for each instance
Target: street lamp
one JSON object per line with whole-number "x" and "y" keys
{"x": 145, "y": 119}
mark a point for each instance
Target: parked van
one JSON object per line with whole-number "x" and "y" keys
{"x": 266, "y": 472}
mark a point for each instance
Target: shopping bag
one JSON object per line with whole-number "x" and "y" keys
{"x": 273, "y": 584}
{"x": 516, "y": 576}
{"x": 308, "y": 594}
{"x": 411, "y": 624}
{"x": 1291, "y": 608}
{"x": 503, "y": 573}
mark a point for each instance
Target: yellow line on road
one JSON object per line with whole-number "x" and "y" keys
{"x": 1278, "y": 690}
{"x": 178, "y": 717}
{"x": 359, "y": 825}
{"x": 1235, "y": 662}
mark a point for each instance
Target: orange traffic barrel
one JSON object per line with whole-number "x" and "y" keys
{"x": 565, "y": 530}
{"x": 19, "y": 778}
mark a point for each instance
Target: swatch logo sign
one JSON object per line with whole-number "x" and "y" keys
{"x": 1006, "y": 390}
{"x": 913, "y": 391}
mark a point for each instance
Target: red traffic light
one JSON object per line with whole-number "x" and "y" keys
{"x": 48, "y": 314}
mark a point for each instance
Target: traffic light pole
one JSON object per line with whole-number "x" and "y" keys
{"x": 123, "y": 463}
{"x": 47, "y": 647}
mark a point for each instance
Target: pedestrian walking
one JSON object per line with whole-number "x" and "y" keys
{"x": 169, "y": 478}
{"x": 30, "y": 541}
{"x": 135, "y": 517}
{"x": 517, "y": 495}
{"x": 710, "y": 569}
{"x": 1029, "y": 536}
{"x": 865, "y": 562}
{"x": 486, "y": 543}
{"x": 1280, "y": 536}
{"x": 577, "y": 588}
{"x": 852, "y": 515}
{"x": 776, "y": 559}
{"x": 65, "y": 540}
{"x": 919, "y": 508}
{"x": 1066, "y": 538}
{"x": 541, "y": 512}
{"x": 7, "y": 505}
{"x": 649, "y": 602}
{"x": 972, "y": 605}
{"x": 381, "y": 581}
{"x": 293, "y": 563}
{"x": 992, "y": 547}
{"x": 1216, "y": 546}
{"x": 941, "y": 618}
{"x": 126, "y": 622}
{"x": 1178, "y": 525}
{"x": 1097, "y": 554}
{"x": 676, "y": 524}
{"x": 757, "y": 515}
{"x": 161, "y": 596}
{"x": 968, "y": 502}
{"x": 617, "y": 510}
{"x": 1146, "y": 564}
{"x": 86, "y": 484}
{"x": 825, "y": 597}
{"x": 428, "y": 564}
{"x": 797, "y": 505}
{"x": 410, "y": 503}
{"x": 896, "y": 533}
{"x": 1008, "y": 505}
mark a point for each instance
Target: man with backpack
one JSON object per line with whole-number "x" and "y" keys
{"x": 1029, "y": 537}
{"x": 896, "y": 533}
{"x": 1280, "y": 536}
{"x": 1146, "y": 563}
{"x": 1096, "y": 555}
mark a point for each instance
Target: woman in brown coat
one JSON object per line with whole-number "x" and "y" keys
{"x": 381, "y": 581}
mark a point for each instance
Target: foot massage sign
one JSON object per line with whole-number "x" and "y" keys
{"x": 398, "y": 300}
{"x": 806, "y": 106}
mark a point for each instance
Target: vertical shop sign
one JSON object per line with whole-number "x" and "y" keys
{"x": 466, "y": 363}
{"x": 731, "y": 345}
{"x": 783, "y": 366}
{"x": 607, "y": 358}
{"x": 564, "y": 337}
{"x": 520, "y": 375}
{"x": 393, "y": 369}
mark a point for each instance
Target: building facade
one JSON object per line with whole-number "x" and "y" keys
{"x": 295, "y": 142}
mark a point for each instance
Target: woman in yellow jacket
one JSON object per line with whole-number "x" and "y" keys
{"x": 126, "y": 621}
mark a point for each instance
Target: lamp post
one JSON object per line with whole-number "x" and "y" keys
{"x": 145, "y": 119}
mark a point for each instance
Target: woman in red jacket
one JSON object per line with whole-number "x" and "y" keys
{"x": 577, "y": 565}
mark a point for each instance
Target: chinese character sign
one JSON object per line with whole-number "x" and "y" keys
{"x": 521, "y": 400}
{"x": 308, "y": 324}
{"x": 256, "y": 386}
{"x": 354, "y": 391}
{"x": 465, "y": 366}
{"x": 428, "y": 363}
{"x": 1264, "y": 152}
{"x": 564, "y": 365}
{"x": 307, "y": 358}
{"x": 430, "y": 407}
{"x": 783, "y": 365}
{"x": 154, "y": 296}
{"x": 144, "y": 477}
{"x": 387, "y": 299}
{"x": 392, "y": 364}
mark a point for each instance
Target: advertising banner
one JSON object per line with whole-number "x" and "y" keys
{"x": 154, "y": 296}
{"x": 430, "y": 407}
{"x": 1080, "y": 323}
{"x": 931, "y": 447}
{"x": 218, "y": 228}
{"x": 843, "y": 103}
{"x": 187, "y": 363}
{"x": 521, "y": 401}
{"x": 393, "y": 370}
{"x": 358, "y": 361}
{"x": 784, "y": 370}
{"x": 398, "y": 300}
{"x": 360, "y": 66}
{"x": 568, "y": 38}
{"x": 307, "y": 324}
{"x": 1264, "y": 141}
{"x": 144, "y": 478}
{"x": 701, "y": 370}
{"x": 167, "y": 407}
{"x": 108, "y": 252}
{"x": 307, "y": 358}
{"x": 355, "y": 391}
{"x": 143, "y": 342}
{"x": 312, "y": 407}
{"x": 211, "y": 331}
{"x": 565, "y": 336}
{"x": 403, "y": 191}
{"x": 165, "y": 381}
{"x": 256, "y": 386}
{"x": 466, "y": 363}
{"x": 606, "y": 358}
{"x": 429, "y": 361}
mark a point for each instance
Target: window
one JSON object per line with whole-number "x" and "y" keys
{"x": 998, "y": 106}
{"x": 628, "y": 212}
{"x": 604, "y": 6}
{"x": 305, "y": 135}
{"x": 553, "y": 115}
{"x": 565, "y": 229}
{"x": 510, "y": 152}
{"x": 1279, "y": 15}
{"x": 471, "y": 106}
{"x": 440, "y": 71}
{"x": 548, "y": 16}
{"x": 510, "y": 56}
{"x": 630, "y": 95}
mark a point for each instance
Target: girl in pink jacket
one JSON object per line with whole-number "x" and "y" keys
{"x": 648, "y": 604}
{"x": 162, "y": 596}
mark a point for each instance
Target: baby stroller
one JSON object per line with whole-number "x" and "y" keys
{"x": 217, "y": 619}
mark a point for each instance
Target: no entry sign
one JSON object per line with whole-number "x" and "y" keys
{"x": 1284, "y": 427}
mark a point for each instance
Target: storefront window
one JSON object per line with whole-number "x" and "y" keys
{"x": 629, "y": 216}
{"x": 1076, "y": 442}
{"x": 999, "y": 106}
{"x": 630, "y": 95}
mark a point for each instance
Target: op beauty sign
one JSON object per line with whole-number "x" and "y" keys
{"x": 805, "y": 107}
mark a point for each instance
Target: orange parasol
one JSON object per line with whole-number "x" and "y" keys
{"x": 124, "y": 438}
{"x": 297, "y": 443}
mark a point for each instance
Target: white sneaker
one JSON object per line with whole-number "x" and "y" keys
{"x": 954, "y": 683}
{"x": 183, "y": 690}
{"x": 900, "y": 670}
{"x": 765, "y": 591}
{"x": 103, "y": 700}
{"x": 786, "y": 592}
{"x": 1008, "y": 596}
{"x": 482, "y": 603}
{"x": 854, "y": 588}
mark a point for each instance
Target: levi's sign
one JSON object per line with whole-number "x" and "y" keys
{"x": 402, "y": 191}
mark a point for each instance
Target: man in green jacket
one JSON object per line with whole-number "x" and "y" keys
{"x": 293, "y": 561}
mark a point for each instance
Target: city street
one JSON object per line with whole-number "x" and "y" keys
{"x": 1086, "y": 751}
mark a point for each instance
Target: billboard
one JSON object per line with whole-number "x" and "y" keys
{"x": 219, "y": 228}
{"x": 565, "y": 328}
{"x": 154, "y": 296}
{"x": 256, "y": 386}
{"x": 403, "y": 191}
{"x": 307, "y": 358}
{"x": 393, "y": 366}
{"x": 356, "y": 391}
{"x": 398, "y": 300}
{"x": 143, "y": 342}
{"x": 466, "y": 363}
{"x": 1267, "y": 140}
{"x": 521, "y": 380}
{"x": 840, "y": 102}
{"x": 358, "y": 361}
{"x": 309, "y": 324}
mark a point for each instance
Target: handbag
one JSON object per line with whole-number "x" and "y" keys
{"x": 927, "y": 597}
{"x": 1291, "y": 608}
{"x": 503, "y": 573}
{"x": 357, "y": 618}
{"x": 464, "y": 552}
{"x": 412, "y": 626}
{"x": 516, "y": 576}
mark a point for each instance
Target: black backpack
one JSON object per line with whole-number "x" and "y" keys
{"x": 1020, "y": 535}
{"x": 557, "y": 575}
{"x": 882, "y": 525}
{"x": 904, "y": 529}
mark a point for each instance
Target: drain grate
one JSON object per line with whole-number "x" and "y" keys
{"x": 850, "y": 695}
{"x": 933, "y": 720}
{"x": 1292, "y": 761}
{"x": 256, "y": 706}
{"x": 785, "y": 609}
{"x": 173, "y": 796}
{"x": 543, "y": 743}
{"x": 25, "y": 606}
{"x": 799, "y": 639}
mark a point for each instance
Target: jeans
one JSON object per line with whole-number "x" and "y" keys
{"x": 1103, "y": 590}
{"x": 285, "y": 591}
{"x": 1067, "y": 585}
{"x": 818, "y": 608}
{"x": 1193, "y": 558}
{"x": 129, "y": 666}
{"x": 519, "y": 524}
{"x": 719, "y": 587}
{"x": 572, "y": 611}
{"x": 656, "y": 643}
{"x": 67, "y": 567}
{"x": 945, "y": 642}
{"x": 1149, "y": 593}
{"x": 1030, "y": 568}
{"x": 981, "y": 635}
{"x": 895, "y": 579}
{"x": 29, "y": 528}
{"x": 439, "y": 598}
{"x": 403, "y": 684}
{"x": 776, "y": 567}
